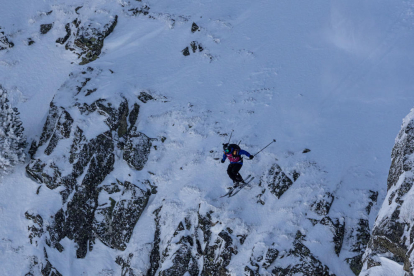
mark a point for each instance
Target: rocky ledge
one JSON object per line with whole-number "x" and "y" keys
{"x": 393, "y": 233}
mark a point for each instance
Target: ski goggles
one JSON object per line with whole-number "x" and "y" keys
{"x": 227, "y": 150}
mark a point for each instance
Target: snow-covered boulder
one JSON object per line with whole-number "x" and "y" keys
{"x": 85, "y": 36}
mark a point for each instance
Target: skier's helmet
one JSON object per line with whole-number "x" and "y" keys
{"x": 226, "y": 148}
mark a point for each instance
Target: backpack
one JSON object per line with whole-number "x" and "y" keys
{"x": 235, "y": 148}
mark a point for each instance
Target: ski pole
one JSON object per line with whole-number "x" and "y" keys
{"x": 274, "y": 140}
{"x": 230, "y": 136}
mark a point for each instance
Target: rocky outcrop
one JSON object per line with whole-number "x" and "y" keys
{"x": 323, "y": 205}
{"x": 300, "y": 261}
{"x": 393, "y": 232}
{"x": 194, "y": 46}
{"x": 78, "y": 162}
{"x": 125, "y": 264}
{"x": 5, "y": 43}
{"x": 262, "y": 257}
{"x": 86, "y": 38}
{"x": 45, "y": 28}
{"x": 115, "y": 223}
{"x": 36, "y": 230}
{"x": 41, "y": 265}
{"x": 194, "y": 248}
{"x": 277, "y": 181}
{"x": 361, "y": 236}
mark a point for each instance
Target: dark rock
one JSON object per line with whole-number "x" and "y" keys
{"x": 90, "y": 91}
{"x": 49, "y": 270}
{"x": 118, "y": 220}
{"x": 193, "y": 250}
{"x": 403, "y": 148}
{"x": 371, "y": 263}
{"x": 88, "y": 39}
{"x": 48, "y": 174}
{"x": 338, "y": 230}
{"x": 194, "y": 27}
{"x": 61, "y": 131}
{"x": 125, "y": 264}
{"x": 30, "y": 41}
{"x": 322, "y": 206}
{"x": 36, "y": 230}
{"x": 141, "y": 10}
{"x": 295, "y": 175}
{"x": 303, "y": 261}
{"x": 123, "y": 111}
{"x": 186, "y": 51}
{"x": 81, "y": 174}
{"x": 45, "y": 28}
{"x": 271, "y": 256}
{"x": 83, "y": 84}
{"x": 313, "y": 221}
{"x": 260, "y": 263}
{"x": 355, "y": 263}
{"x": 373, "y": 199}
{"x": 145, "y": 97}
{"x": 34, "y": 262}
{"x": 4, "y": 42}
{"x": 391, "y": 232}
{"x": 84, "y": 220}
{"x": 306, "y": 150}
{"x": 33, "y": 148}
{"x": 63, "y": 40}
{"x": 51, "y": 120}
{"x": 155, "y": 252}
{"x": 195, "y": 46}
{"x": 362, "y": 236}
{"x": 133, "y": 116}
{"x": 277, "y": 181}
{"x": 78, "y": 8}
{"x": 137, "y": 150}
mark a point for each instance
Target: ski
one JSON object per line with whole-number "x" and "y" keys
{"x": 240, "y": 187}
{"x": 242, "y": 184}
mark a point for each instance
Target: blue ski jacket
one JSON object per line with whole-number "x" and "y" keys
{"x": 234, "y": 156}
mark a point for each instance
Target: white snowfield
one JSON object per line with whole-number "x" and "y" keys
{"x": 335, "y": 77}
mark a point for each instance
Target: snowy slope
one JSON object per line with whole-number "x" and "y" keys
{"x": 332, "y": 77}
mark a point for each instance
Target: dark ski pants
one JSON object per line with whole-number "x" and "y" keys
{"x": 233, "y": 172}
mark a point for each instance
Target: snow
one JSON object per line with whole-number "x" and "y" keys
{"x": 387, "y": 268}
{"x": 331, "y": 76}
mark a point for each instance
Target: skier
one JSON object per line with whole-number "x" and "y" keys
{"x": 233, "y": 152}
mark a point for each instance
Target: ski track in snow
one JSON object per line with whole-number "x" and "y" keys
{"x": 332, "y": 77}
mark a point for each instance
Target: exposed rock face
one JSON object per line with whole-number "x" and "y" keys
{"x": 322, "y": 206}
{"x": 301, "y": 261}
{"x": 194, "y": 27}
{"x": 194, "y": 248}
{"x": 114, "y": 224}
{"x": 5, "y": 43}
{"x": 277, "y": 181}
{"x": 262, "y": 257}
{"x": 125, "y": 264}
{"x": 45, "y": 28}
{"x": 35, "y": 230}
{"x": 77, "y": 162}
{"x": 393, "y": 232}
{"x": 86, "y": 38}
